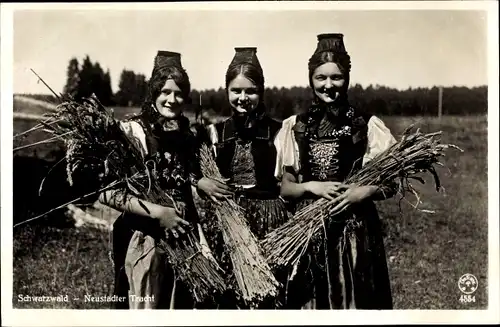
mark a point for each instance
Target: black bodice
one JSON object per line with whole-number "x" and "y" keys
{"x": 248, "y": 156}
{"x": 333, "y": 152}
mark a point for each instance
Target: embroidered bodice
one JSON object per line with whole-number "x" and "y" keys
{"x": 330, "y": 146}
{"x": 242, "y": 165}
{"x": 324, "y": 160}
{"x": 170, "y": 156}
{"x": 173, "y": 169}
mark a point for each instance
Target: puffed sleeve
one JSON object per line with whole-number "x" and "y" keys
{"x": 380, "y": 139}
{"x": 287, "y": 149}
{"x": 134, "y": 131}
{"x": 212, "y": 137}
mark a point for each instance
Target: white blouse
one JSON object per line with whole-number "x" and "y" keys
{"x": 379, "y": 140}
{"x": 134, "y": 130}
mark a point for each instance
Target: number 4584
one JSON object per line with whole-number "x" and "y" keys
{"x": 467, "y": 298}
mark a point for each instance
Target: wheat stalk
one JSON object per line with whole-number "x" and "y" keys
{"x": 416, "y": 153}
{"x": 253, "y": 275}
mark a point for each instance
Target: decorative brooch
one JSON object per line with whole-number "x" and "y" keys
{"x": 339, "y": 132}
{"x": 343, "y": 131}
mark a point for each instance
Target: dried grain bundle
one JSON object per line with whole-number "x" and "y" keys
{"x": 253, "y": 275}
{"x": 415, "y": 154}
{"x": 96, "y": 142}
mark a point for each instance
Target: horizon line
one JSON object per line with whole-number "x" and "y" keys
{"x": 374, "y": 86}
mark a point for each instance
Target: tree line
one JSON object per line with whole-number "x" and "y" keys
{"x": 87, "y": 78}
{"x": 283, "y": 102}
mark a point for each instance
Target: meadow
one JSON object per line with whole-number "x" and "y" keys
{"x": 426, "y": 252}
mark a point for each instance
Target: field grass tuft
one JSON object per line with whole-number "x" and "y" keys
{"x": 50, "y": 261}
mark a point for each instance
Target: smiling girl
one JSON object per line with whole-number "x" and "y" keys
{"x": 316, "y": 152}
{"x": 245, "y": 153}
{"x": 141, "y": 268}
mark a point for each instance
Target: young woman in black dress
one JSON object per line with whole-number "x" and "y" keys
{"x": 316, "y": 152}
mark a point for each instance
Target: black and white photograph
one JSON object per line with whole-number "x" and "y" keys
{"x": 226, "y": 157}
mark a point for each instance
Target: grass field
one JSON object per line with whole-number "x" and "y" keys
{"x": 427, "y": 253}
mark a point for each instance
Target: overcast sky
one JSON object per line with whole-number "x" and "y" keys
{"x": 396, "y": 48}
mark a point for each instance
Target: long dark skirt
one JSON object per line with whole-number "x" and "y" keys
{"x": 169, "y": 292}
{"x": 344, "y": 270}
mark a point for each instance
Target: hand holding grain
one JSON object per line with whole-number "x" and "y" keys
{"x": 353, "y": 194}
{"x": 170, "y": 220}
{"x": 327, "y": 190}
{"x": 215, "y": 190}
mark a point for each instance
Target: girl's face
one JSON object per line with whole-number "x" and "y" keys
{"x": 169, "y": 102}
{"x": 328, "y": 81}
{"x": 243, "y": 94}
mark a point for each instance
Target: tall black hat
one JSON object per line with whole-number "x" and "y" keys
{"x": 331, "y": 42}
{"x": 167, "y": 59}
{"x": 245, "y": 55}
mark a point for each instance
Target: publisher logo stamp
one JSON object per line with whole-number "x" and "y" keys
{"x": 468, "y": 284}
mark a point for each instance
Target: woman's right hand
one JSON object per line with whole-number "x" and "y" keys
{"x": 215, "y": 190}
{"x": 327, "y": 190}
{"x": 170, "y": 220}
